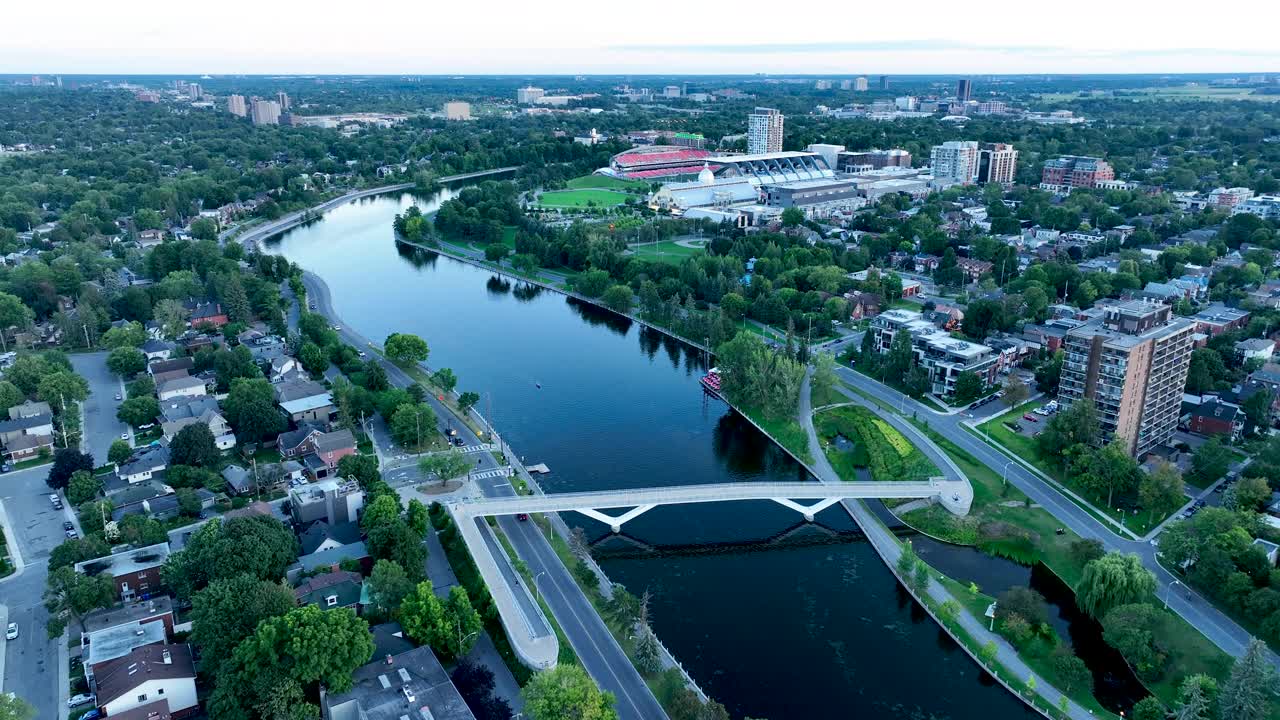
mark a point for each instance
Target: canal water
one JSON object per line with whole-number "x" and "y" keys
{"x": 774, "y": 617}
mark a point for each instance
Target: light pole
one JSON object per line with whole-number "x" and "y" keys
{"x": 536, "y": 592}
{"x": 461, "y": 639}
{"x": 1169, "y": 591}
{"x": 1004, "y": 473}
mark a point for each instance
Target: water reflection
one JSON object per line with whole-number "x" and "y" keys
{"x": 599, "y": 317}
{"x": 526, "y": 292}
{"x": 497, "y": 285}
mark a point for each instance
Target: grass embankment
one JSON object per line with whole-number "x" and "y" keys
{"x": 1002, "y": 521}
{"x": 584, "y": 198}
{"x": 785, "y": 431}
{"x": 607, "y": 183}
{"x": 877, "y": 446}
{"x": 1026, "y": 448}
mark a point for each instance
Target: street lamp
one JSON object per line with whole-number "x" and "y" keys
{"x": 462, "y": 639}
{"x": 536, "y": 592}
{"x": 1004, "y": 473}
{"x": 1169, "y": 591}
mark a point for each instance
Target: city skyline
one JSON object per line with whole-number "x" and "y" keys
{"x": 251, "y": 38}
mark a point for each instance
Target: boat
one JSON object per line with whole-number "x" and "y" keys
{"x": 711, "y": 381}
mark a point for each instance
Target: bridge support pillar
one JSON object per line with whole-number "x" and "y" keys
{"x": 808, "y": 511}
{"x": 615, "y": 523}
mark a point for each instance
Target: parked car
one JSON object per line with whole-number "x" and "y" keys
{"x": 458, "y": 441}
{"x": 66, "y": 525}
{"x": 78, "y": 700}
{"x": 12, "y": 632}
{"x": 522, "y": 516}
{"x": 1030, "y": 418}
{"x": 119, "y": 396}
{"x": 72, "y": 534}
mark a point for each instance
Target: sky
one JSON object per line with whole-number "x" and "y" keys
{"x": 520, "y": 37}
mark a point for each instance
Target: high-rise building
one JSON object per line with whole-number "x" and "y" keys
{"x": 195, "y": 91}
{"x": 457, "y": 110}
{"x": 1132, "y": 363}
{"x": 236, "y": 106}
{"x": 1073, "y": 171}
{"x": 764, "y": 131}
{"x": 884, "y": 82}
{"x": 529, "y": 95}
{"x": 956, "y": 160}
{"x": 671, "y": 91}
{"x": 265, "y": 112}
{"x": 822, "y": 85}
{"x": 846, "y": 84}
{"x": 964, "y": 90}
{"x": 860, "y": 84}
{"x": 283, "y": 99}
{"x": 997, "y": 163}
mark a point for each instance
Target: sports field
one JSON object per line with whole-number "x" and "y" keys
{"x": 667, "y": 251}
{"x": 1181, "y": 92}
{"x": 589, "y": 197}
{"x": 604, "y": 182}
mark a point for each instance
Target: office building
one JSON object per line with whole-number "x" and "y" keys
{"x": 457, "y": 110}
{"x": 236, "y": 106}
{"x": 265, "y": 112}
{"x": 884, "y": 82}
{"x": 1132, "y": 363}
{"x": 1266, "y": 207}
{"x": 964, "y": 90}
{"x": 956, "y": 161}
{"x": 1063, "y": 174}
{"x": 997, "y": 163}
{"x": 529, "y": 95}
{"x": 671, "y": 91}
{"x": 906, "y": 103}
{"x": 764, "y": 131}
{"x": 860, "y": 84}
{"x": 283, "y": 99}
{"x": 873, "y": 160}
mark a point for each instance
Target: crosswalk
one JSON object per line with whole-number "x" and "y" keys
{"x": 482, "y": 447}
{"x": 486, "y": 474}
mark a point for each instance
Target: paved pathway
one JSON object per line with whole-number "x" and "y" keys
{"x": 885, "y": 544}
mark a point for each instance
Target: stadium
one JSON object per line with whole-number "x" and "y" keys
{"x": 657, "y": 161}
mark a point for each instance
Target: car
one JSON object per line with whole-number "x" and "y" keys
{"x": 1030, "y": 418}
{"x": 124, "y": 435}
{"x": 364, "y": 354}
{"x": 6, "y": 467}
{"x": 458, "y": 441}
{"x": 53, "y": 498}
{"x": 119, "y": 396}
{"x": 522, "y": 516}
{"x": 72, "y": 534}
{"x": 78, "y": 700}
{"x": 66, "y": 525}
{"x": 12, "y": 632}
{"x": 93, "y": 714}
{"x": 337, "y": 328}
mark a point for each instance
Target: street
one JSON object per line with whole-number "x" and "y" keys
{"x": 33, "y": 662}
{"x": 595, "y": 646}
{"x": 101, "y": 428}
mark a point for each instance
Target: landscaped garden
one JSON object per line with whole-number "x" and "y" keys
{"x": 854, "y": 438}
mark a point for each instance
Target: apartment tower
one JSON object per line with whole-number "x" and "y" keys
{"x": 1132, "y": 363}
{"x": 764, "y": 131}
{"x": 997, "y": 163}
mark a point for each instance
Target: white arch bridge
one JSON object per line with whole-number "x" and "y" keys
{"x": 530, "y": 633}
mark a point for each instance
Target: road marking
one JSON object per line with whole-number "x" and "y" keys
{"x": 486, "y": 474}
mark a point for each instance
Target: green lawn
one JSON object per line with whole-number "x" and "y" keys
{"x": 787, "y": 433}
{"x": 878, "y": 446}
{"x": 589, "y": 197}
{"x": 606, "y": 183}
{"x": 668, "y": 252}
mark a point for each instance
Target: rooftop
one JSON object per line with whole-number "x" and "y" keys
{"x": 412, "y": 684}
{"x": 120, "y": 640}
{"x": 127, "y": 561}
{"x": 152, "y": 662}
{"x": 127, "y": 614}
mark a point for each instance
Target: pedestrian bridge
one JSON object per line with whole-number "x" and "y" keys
{"x": 533, "y": 641}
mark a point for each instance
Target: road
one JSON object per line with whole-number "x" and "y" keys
{"x": 34, "y": 666}
{"x": 1220, "y": 629}
{"x": 595, "y": 646}
{"x": 101, "y": 428}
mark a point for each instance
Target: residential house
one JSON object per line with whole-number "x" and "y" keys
{"x": 333, "y": 500}
{"x": 320, "y": 536}
{"x": 410, "y": 684}
{"x": 99, "y": 647}
{"x": 223, "y": 437}
{"x": 1256, "y": 349}
{"x": 146, "y": 675}
{"x": 943, "y": 357}
{"x": 145, "y": 463}
{"x": 973, "y": 268}
{"x": 150, "y": 238}
{"x": 185, "y": 386}
{"x": 135, "y": 573}
{"x": 25, "y": 437}
{"x": 264, "y": 348}
{"x": 306, "y": 401}
{"x": 1216, "y": 417}
{"x": 206, "y": 313}
{"x": 339, "y": 589}
{"x": 297, "y": 443}
{"x": 184, "y": 364}
{"x": 284, "y": 369}
{"x": 158, "y": 609}
{"x": 862, "y": 304}
{"x": 331, "y": 559}
{"x": 1217, "y": 319}
{"x": 331, "y": 447}
{"x": 157, "y": 349}
{"x": 239, "y": 480}
{"x": 29, "y": 408}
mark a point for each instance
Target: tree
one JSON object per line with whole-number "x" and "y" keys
{"x": 988, "y": 652}
{"x": 13, "y": 707}
{"x": 413, "y": 425}
{"x": 119, "y": 452}
{"x": 445, "y": 380}
{"x": 388, "y": 587}
{"x": 1161, "y": 490}
{"x": 1257, "y": 409}
{"x": 900, "y": 357}
{"x": 1132, "y": 630}
{"x": 618, "y": 298}
{"x": 131, "y": 334}
{"x": 1112, "y": 580}
{"x": 126, "y": 361}
{"x": 1210, "y": 462}
{"x": 172, "y": 317}
{"x": 463, "y": 620}
{"x": 1078, "y": 424}
{"x": 1085, "y": 550}
{"x": 423, "y": 616}
{"x": 824, "y": 379}
{"x": 66, "y": 462}
{"x": 969, "y": 387}
{"x": 566, "y": 692}
{"x": 362, "y": 468}
{"x": 1022, "y": 601}
{"x": 467, "y": 400}
{"x": 10, "y": 395}
{"x": 1248, "y": 494}
{"x": 446, "y": 465}
{"x": 1247, "y": 693}
{"x": 188, "y": 502}
{"x": 313, "y": 359}
{"x": 475, "y": 684}
{"x": 1196, "y": 698}
{"x": 137, "y": 411}
{"x": 258, "y": 546}
{"x": 648, "y": 656}
{"x": 395, "y": 541}
{"x": 495, "y": 252}
{"x": 60, "y": 387}
{"x": 1107, "y": 470}
{"x": 194, "y": 445}
{"x": 1150, "y": 708}
{"x": 416, "y": 517}
{"x": 82, "y": 487}
{"x": 67, "y": 591}
{"x": 734, "y": 305}
{"x": 267, "y": 673}
{"x": 1205, "y": 370}
{"x": 1016, "y": 392}
{"x": 250, "y": 408}
{"x": 406, "y": 349}
{"x": 1072, "y": 672}
{"x": 76, "y": 550}
{"x": 229, "y": 610}
{"x": 792, "y": 217}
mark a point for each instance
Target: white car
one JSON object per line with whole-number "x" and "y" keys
{"x": 12, "y": 632}
{"x": 78, "y": 700}
{"x": 124, "y": 435}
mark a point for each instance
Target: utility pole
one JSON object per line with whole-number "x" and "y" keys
{"x": 87, "y": 344}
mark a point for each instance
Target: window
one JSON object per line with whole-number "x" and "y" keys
{"x": 331, "y": 601}
{"x": 160, "y": 691}
{"x": 142, "y": 698}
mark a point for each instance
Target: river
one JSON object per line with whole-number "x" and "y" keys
{"x": 774, "y": 617}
